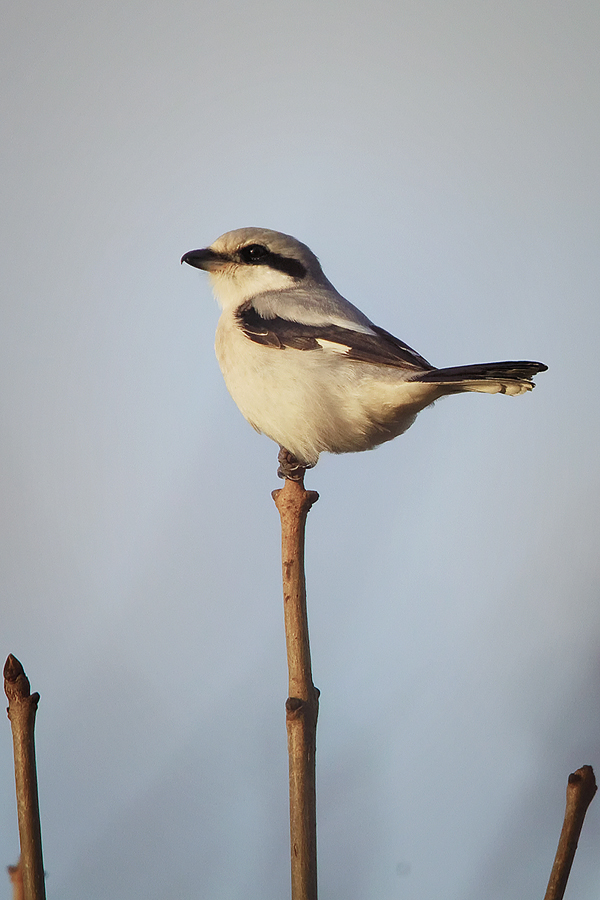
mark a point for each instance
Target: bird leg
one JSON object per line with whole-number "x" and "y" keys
{"x": 289, "y": 466}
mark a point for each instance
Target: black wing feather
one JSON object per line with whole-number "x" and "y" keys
{"x": 380, "y": 348}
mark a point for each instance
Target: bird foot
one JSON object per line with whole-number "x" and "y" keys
{"x": 290, "y": 467}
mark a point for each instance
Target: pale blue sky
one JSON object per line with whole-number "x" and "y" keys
{"x": 441, "y": 158}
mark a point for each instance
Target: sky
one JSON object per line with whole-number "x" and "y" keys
{"x": 441, "y": 159}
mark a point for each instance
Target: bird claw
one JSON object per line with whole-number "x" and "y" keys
{"x": 290, "y": 467}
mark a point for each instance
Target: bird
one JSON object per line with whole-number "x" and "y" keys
{"x": 307, "y": 368}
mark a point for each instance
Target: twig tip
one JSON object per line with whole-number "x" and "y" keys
{"x": 16, "y": 682}
{"x": 585, "y": 773}
{"x": 12, "y": 668}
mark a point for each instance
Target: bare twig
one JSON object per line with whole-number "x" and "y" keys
{"x": 581, "y": 788}
{"x": 22, "y": 707}
{"x": 302, "y": 706}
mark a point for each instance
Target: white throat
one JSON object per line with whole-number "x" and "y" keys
{"x": 236, "y": 284}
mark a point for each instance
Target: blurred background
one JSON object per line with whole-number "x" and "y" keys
{"x": 441, "y": 157}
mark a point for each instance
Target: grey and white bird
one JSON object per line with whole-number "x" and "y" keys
{"x": 309, "y": 369}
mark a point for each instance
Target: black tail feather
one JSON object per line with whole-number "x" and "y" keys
{"x": 521, "y": 370}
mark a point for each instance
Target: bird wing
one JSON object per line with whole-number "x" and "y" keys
{"x": 375, "y": 346}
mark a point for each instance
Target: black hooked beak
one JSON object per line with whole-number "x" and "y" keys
{"x": 203, "y": 259}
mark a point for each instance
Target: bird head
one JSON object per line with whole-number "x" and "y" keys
{"x": 249, "y": 261}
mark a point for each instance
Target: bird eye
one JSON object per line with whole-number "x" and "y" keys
{"x": 253, "y": 253}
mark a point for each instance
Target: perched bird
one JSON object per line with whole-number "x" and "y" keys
{"x": 309, "y": 369}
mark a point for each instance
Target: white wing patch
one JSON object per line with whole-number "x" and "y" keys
{"x": 333, "y": 346}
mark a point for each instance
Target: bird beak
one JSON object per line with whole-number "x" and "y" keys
{"x": 206, "y": 259}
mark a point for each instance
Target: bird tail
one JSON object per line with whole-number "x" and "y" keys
{"x": 511, "y": 378}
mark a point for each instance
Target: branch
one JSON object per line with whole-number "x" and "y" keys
{"x": 581, "y": 788}
{"x": 22, "y": 707}
{"x": 302, "y": 705}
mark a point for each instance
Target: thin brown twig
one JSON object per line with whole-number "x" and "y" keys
{"x": 581, "y": 788}
{"x": 22, "y": 707}
{"x": 293, "y": 503}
